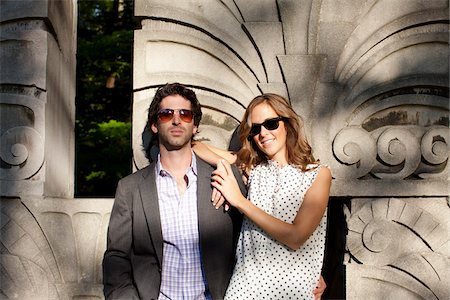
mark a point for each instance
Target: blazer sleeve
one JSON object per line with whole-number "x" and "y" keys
{"x": 239, "y": 180}
{"x": 117, "y": 270}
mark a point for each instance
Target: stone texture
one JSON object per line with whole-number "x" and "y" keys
{"x": 37, "y": 86}
{"x": 371, "y": 80}
{"x": 369, "y": 77}
{"x": 53, "y": 248}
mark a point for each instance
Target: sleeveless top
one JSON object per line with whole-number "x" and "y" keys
{"x": 265, "y": 268}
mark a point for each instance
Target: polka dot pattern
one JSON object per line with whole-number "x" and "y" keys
{"x": 266, "y": 269}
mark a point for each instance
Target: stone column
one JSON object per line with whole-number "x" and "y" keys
{"x": 51, "y": 244}
{"x": 37, "y": 97}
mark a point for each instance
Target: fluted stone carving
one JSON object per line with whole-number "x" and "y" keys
{"x": 52, "y": 249}
{"x": 405, "y": 245}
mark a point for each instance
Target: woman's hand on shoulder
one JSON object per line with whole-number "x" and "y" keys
{"x": 225, "y": 182}
{"x": 217, "y": 198}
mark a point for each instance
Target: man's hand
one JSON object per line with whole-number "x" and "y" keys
{"x": 321, "y": 286}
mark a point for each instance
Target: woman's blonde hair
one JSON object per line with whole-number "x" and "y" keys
{"x": 299, "y": 151}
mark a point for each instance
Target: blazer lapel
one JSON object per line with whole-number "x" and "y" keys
{"x": 204, "y": 204}
{"x": 149, "y": 198}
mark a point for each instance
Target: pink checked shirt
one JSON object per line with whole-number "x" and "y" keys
{"x": 182, "y": 276}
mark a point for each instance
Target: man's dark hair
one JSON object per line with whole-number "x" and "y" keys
{"x": 173, "y": 89}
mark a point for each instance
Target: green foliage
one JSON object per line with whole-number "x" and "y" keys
{"x": 104, "y": 92}
{"x": 104, "y": 156}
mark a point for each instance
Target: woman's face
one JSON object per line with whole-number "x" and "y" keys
{"x": 271, "y": 142}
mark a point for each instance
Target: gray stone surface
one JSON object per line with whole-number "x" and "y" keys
{"x": 52, "y": 248}
{"x": 371, "y": 79}
{"x": 398, "y": 247}
{"x": 37, "y": 94}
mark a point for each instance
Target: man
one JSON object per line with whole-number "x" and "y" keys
{"x": 165, "y": 238}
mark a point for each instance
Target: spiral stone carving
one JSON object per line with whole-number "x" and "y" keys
{"x": 384, "y": 231}
{"x": 435, "y": 150}
{"x": 397, "y": 146}
{"x": 354, "y": 147}
{"x": 378, "y": 236}
{"x": 22, "y": 149}
{"x": 435, "y": 145}
{"x": 399, "y": 152}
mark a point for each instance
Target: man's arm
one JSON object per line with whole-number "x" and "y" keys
{"x": 117, "y": 270}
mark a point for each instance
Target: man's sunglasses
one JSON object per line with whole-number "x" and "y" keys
{"x": 269, "y": 124}
{"x": 166, "y": 115}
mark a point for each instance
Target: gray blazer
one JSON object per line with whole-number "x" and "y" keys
{"x": 133, "y": 258}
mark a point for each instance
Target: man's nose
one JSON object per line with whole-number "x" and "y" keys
{"x": 176, "y": 118}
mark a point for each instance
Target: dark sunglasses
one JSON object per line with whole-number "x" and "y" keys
{"x": 269, "y": 124}
{"x": 166, "y": 115}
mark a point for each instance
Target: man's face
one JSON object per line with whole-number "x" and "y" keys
{"x": 175, "y": 133}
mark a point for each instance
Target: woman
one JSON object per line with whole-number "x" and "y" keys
{"x": 281, "y": 244}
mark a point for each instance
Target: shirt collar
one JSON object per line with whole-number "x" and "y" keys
{"x": 161, "y": 171}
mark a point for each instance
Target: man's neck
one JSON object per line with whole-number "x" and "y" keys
{"x": 176, "y": 162}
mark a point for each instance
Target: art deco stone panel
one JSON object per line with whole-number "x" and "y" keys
{"x": 52, "y": 249}
{"x": 391, "y": 120}
{"x": 37, "y": 92}
{"x": 214, "y": 53}
{"x": 22, "y": 108}
{"x": 370, "y": 79}
{"x": 401, "y": 248}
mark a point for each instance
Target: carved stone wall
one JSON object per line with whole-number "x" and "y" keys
{"x": 371, "y": 80}
{"x": 51, "y": 245}
{"x": 370, "y": 77}
{"x": 37, "y": 97}
{"x": 53, "y": 248}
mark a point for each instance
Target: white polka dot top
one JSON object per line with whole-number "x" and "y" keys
{"x": 265, "y": 268}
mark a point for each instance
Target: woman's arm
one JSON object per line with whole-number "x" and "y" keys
{"x": 308, "y": 216}
{"x": 212, "y": 154}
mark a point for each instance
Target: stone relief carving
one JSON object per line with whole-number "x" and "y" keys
{"x": 22, "y": 149}
{"x": 393, "y": 152}
{"x": 22, "y": 144}
{"x": 372, "y": 86}
{"x": 22, "y": 103}
{"x": 399, "y": 239}
{"x": 53, "y": 249}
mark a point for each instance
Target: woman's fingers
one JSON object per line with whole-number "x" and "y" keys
{"x": 220, "y": 202}
{"x": 215, "y": 196}
{"x": 227, "y": 167}
{"x": 217, "y": 199}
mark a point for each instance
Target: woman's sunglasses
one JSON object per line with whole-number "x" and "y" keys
{"x": 269, "y": 124}
{"x": 166, "y": 115}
